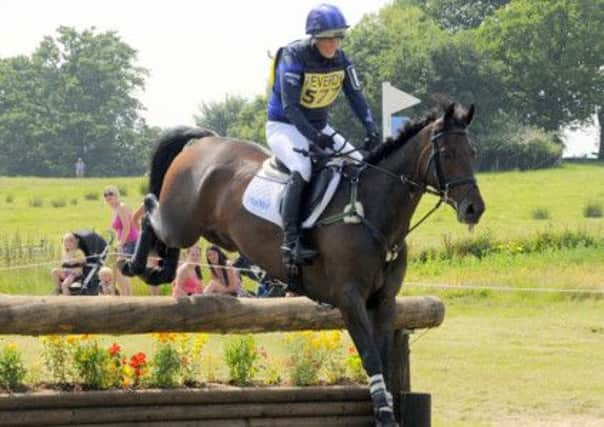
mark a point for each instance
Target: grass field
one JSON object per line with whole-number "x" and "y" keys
{"x": 514, "y": 357}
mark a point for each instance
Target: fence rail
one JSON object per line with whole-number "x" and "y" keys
{"x": 27, "y": 315}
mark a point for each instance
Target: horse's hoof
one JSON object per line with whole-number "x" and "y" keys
{"x": 150, "y": 202}
{"x": 384, "y": 417}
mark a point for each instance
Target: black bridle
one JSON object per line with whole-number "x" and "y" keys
{"x": 441, "y": 189}
{"x": 444, "y": 186}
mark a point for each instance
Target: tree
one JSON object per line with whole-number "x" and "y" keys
{"x": 74, "y": 97}
{"x": 221, "y": 116}
{"x": 548, "y": 54}
{"x": 458, "y": 15}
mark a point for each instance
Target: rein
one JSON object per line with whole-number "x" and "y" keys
{"x": 441, "y": 191}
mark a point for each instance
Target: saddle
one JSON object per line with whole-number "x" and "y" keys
{"x": 264, "y": 193}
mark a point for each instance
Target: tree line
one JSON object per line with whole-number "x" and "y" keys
{"x": 531, "y": 68}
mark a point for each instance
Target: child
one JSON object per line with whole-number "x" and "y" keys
{"x": 72, "y": 261}
{"x": 106, "y": 284}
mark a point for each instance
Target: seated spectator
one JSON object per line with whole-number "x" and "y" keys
{"x": 223, "y": 277}
{"x": 188, "y": 276}
{"x": 72, "y": 263}
{"x": 106, "y": 281}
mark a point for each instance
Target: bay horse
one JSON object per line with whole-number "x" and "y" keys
{"x": 197, "y": 180}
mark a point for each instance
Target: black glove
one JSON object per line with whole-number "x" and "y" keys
{"x": 371, "y": 141}
{"x": 324, "y": 141}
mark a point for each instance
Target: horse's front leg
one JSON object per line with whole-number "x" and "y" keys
{"x": 354, "y": 312}
{"x": 382, "y": 316}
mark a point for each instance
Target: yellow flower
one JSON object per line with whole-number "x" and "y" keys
{"x": 11, "y": 346}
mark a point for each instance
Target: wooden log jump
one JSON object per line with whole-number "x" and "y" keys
{"x": 349, "y": 406}
{"x": 26, "y": 315}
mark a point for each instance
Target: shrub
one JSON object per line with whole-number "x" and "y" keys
{"x": 12, "y": 371}
{"x": 540, "y": 213}
{"x": 592, "y": 209}
{"x": 166, "y": 363}
{"x": 73, "y": 202}
{"x": 58, "y": 203}
{"x": 190, "y": 351}
{"x": 309, "y": 352}
{"x": 9, "y": 198}
{"x": 91, "y": 364}
{"x": 137, "y": 368}
{"x": 240, "y": 355}
{"x": 91, "y": 195}
{"x": 56, "y": 356}
{"x": 123, "y": 190}
{"x": 36, "y": 202}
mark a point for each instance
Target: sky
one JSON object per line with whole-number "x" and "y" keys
{"x": 195, "y": 51}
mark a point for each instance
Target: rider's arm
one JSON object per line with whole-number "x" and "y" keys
{"x": 290, "y": 78}
{"x": 354, "y": 94}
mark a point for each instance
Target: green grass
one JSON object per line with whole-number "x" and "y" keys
{"x": 519, "y": 358}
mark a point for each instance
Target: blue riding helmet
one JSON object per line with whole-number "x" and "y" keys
{"x": 326, "y": 20}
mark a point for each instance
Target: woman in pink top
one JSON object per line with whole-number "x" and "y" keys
{"x": 224, "y": 279}
{"x": 125, "y": 229}
{"x": 188, "y": 276}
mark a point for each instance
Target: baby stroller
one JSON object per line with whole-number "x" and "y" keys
{"x": 95, "y": 248}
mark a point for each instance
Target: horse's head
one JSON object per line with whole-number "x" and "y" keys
{"x": 449, "y": 165}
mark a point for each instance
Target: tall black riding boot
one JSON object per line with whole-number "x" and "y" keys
{"x": 292, "y": 250}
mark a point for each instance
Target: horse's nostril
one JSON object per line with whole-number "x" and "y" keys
{"x": 470, "y": 210}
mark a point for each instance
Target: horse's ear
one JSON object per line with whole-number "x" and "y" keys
{"x": 469, "y": 115}
{"x": 450, "y": 111}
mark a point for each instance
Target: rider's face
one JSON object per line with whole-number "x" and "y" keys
{"x": 328, "y": 46}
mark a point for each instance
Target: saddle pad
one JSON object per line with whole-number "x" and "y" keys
{"x": 263, "y": 195}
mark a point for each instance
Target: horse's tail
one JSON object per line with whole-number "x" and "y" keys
{"x": 167, "y": 147}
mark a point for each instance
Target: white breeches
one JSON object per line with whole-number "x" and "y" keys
{"x": 282, "y": 138}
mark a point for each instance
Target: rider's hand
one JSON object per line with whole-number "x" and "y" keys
{"x": 371, "y": 141}
{"x": 324, "y": 141}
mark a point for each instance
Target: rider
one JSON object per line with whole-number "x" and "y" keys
{"x": 308, "y": 76}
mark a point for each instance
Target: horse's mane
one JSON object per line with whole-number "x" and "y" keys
{"x": 411, "y": 129}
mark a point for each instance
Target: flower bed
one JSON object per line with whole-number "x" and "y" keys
{"x": 183, "y": 360}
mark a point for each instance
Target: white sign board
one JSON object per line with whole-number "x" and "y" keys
{"x": 394, "y": 100}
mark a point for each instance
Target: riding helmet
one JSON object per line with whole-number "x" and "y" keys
{"x": 326, "y": 20}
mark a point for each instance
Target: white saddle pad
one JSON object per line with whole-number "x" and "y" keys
{"x": 263, "y": 195}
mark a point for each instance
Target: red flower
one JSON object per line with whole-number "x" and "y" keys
{"x": 138, "y": 360}
{"x": 352, "y": 350}
{"x": 114, "y": 350}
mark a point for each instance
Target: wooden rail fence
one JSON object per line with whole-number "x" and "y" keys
{"x": 226, "y": 406}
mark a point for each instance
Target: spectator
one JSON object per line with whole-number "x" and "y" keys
{"x": 223, "y": 277}
{"x": 188, "y": 276}
{"x": 72, "y": 263}
{"x": 80, "y": 168}
{"x": 106, "y": 282}
{"x": 127, "y": 233}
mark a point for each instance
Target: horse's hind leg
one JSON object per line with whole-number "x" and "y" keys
{"x": 146, "y": 241}
{"x": 356, "y": 318}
